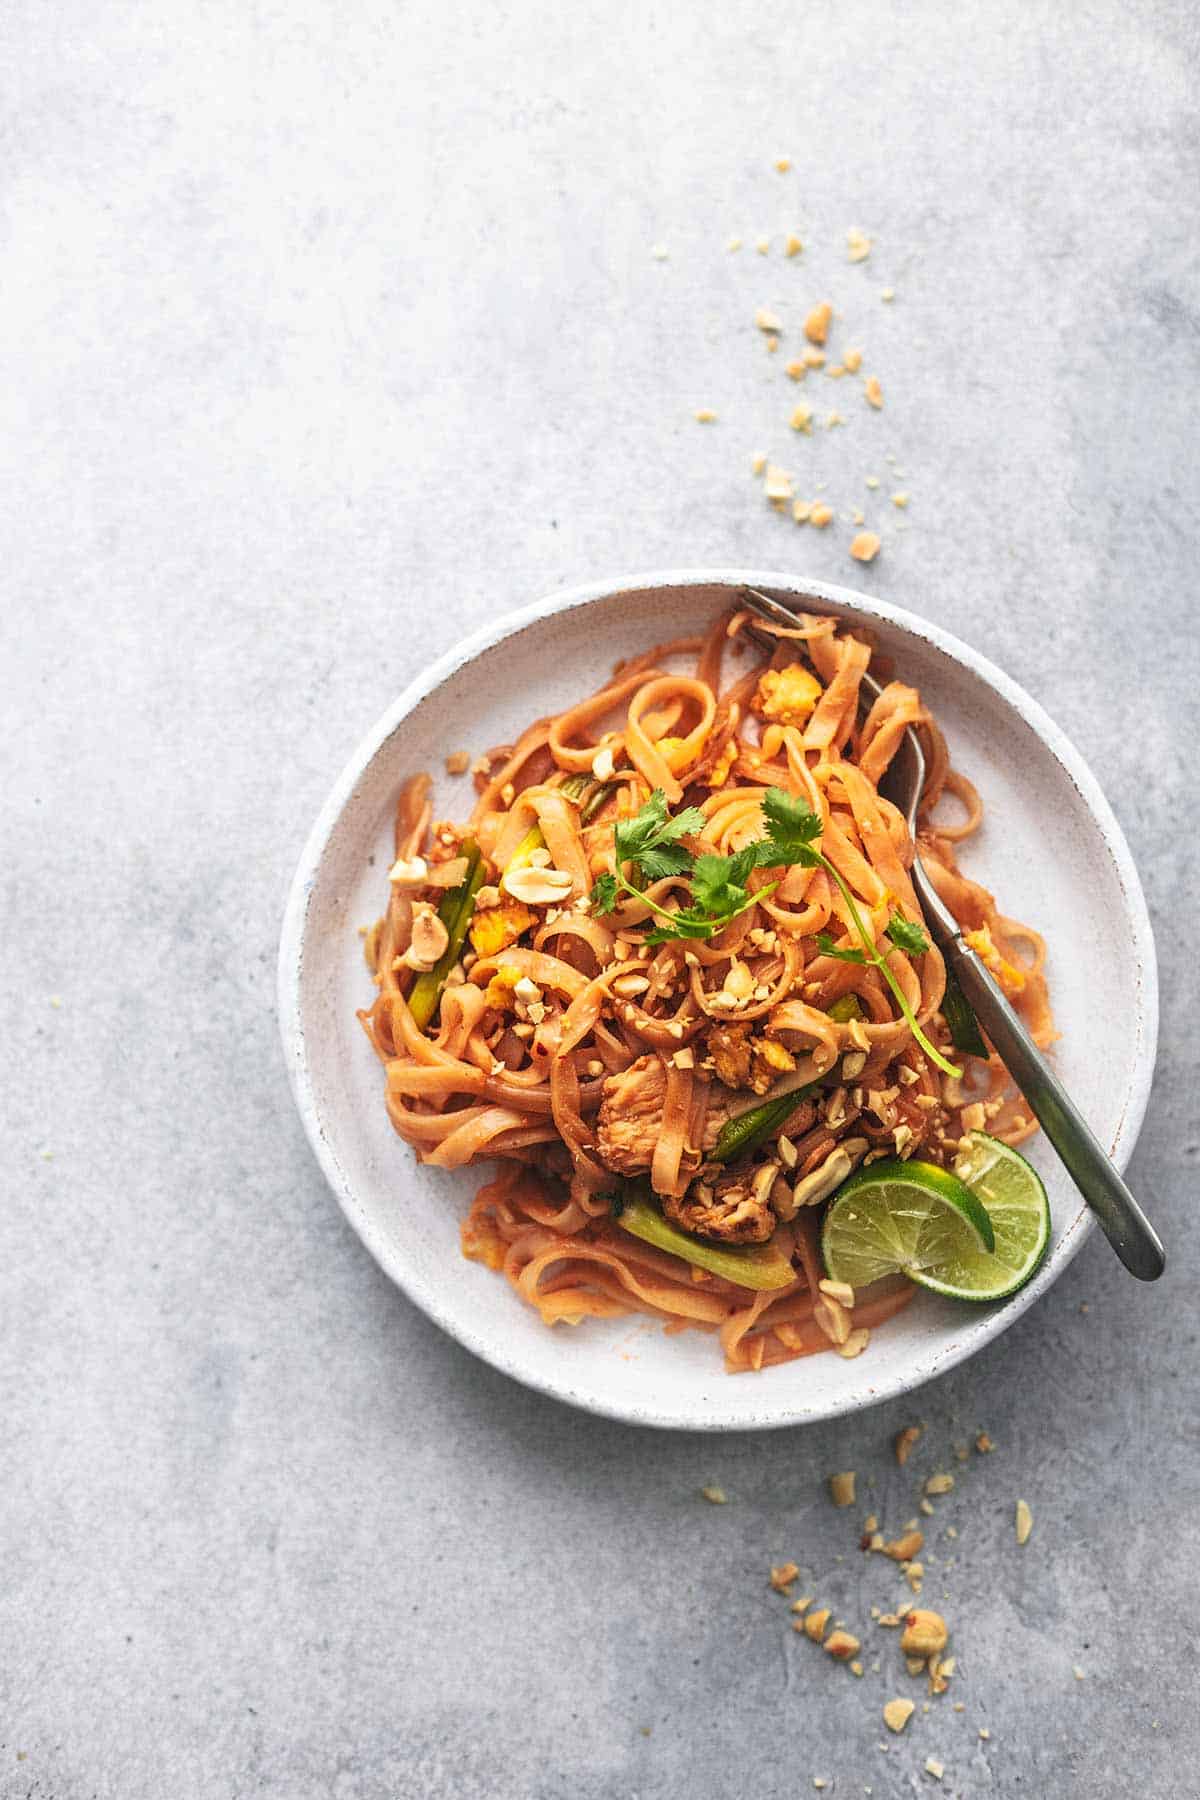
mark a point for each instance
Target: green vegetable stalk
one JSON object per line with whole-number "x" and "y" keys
{"x": 745, "y": 1130}
{"x": 960, "y": 1020}
{"x": 455, "y": 913}
{"x": 749, "y": 1265}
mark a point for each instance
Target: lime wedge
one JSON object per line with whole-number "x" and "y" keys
{"x": 976, "y": 1234}
{"x": 907, "y": 1218}
{"x": 1011, "y": 1190}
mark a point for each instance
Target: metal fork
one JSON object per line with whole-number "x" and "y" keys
{"x": 1121, "y": 1218}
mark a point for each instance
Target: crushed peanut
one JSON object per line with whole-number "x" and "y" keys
{"x": 841, "y": 1488}
{"x": 801, "y": 419}
{"x": 897, "y": 1713}
{"x": 821, "y": 515}
{"x": 816, "y": 1624}
{"x": 783, "y": 1575}
{"x": 832, "y": 1319}
{"x": 855, "y": 1344}
{"x": 983, "y": 1443}
{"x": 766, "y": 320}
{"x": 1024, "y": 1522}
{"x": 865, "y": 547}
{"x": 816, "y": 325}
{"x": 792, "y": 245}
{"x": 410, "y": 872}
{"x": 939, "y": 1484}
{"x": 873, "y": 391}
{"x": 716, "y": 1496}
{"x": 842, "y": 1644}
{"x": 840, "y": 1291}
{"x": 925, "y": 1634}
{"x": 902, "y": 1443}
{"x": 705, "y": 415}
{"x": 458, "y": 762}
{"x": 903, "y": 1549}
{"x": 852, "y": 361}
{"x": 900, "y": 500}
{"x": 858, "y": 245}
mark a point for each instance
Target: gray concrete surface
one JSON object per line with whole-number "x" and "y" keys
{"x": 326, "y": 331}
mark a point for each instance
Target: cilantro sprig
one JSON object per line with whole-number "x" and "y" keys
{"x": 650, "y": 841}
{"x": 720, "y": 890}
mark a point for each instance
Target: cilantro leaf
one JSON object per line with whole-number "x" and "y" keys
{"x": 792, "y": 828}
{"x": 652, "y": 829}
{"x": 604, "y": 894}
{"x": 827, "y": 947}
{"x": 719, "y": 882}
{"x": 658, "y": 861}
{"x": 905, "y": 935}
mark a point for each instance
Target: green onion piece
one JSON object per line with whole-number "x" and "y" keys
{"x": 745, "y": 1130}
{"x": 455, "y": 913}
{"x": 591, "y": 806}
{"x": 845, "y": 1008}
{"x": 961, "y": 1021}
{"x": 749, "y": 1265}
{"x": 533, "y": 840}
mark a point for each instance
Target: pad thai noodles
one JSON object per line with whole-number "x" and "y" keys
{"x": 670, "y": 980}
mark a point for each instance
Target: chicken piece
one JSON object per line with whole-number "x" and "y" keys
{"x": 495, "y": 928}
{"x": 787, "y": 696}
{"x": 631, "y": 1115}
{"x": 729, "y": 1047}
{"x": 727, "y": 1209}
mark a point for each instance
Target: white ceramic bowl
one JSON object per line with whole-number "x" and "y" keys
{"x": 1050, "y": 848}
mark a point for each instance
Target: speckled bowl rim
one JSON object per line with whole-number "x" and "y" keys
{"x": 973, "y": 1337}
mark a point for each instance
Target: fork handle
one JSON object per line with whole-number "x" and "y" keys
{"x": 1122, "y": 1220}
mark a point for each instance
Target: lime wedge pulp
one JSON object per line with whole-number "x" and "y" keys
{"x": 908, "y": 1218}
{"x": 1011, "y": 1190}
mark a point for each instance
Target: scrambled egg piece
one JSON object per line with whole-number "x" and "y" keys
{"x": 499, "y": 926}
{"x": 718, "y": 775}
{"x": 499, "y": 992}
{"x": 1010, "y": 977}
{"x": 669, "y": 748}
{"x": 740, "y": 1062}
{"x": 787, "y": 696}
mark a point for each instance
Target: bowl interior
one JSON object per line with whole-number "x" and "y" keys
{"x": 1048, "y": 848}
